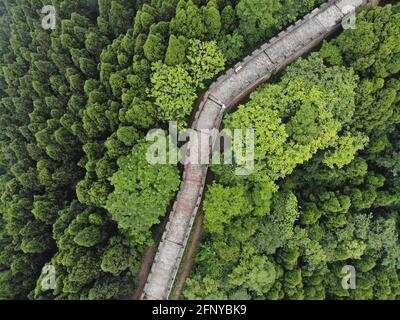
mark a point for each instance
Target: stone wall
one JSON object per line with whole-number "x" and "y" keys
{"x": 225, "y": 92}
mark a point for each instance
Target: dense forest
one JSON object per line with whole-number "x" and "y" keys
{"x": 77, "y": 193}
{"x": 326, "y": 192}
{"x": 76, "y": 103}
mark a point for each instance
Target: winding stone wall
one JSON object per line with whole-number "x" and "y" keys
{"x": 225, "y": 92}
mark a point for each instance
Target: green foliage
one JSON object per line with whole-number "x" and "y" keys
{"x": 326, "y": 140}
{"x": 174, "y": 86}
{"x": 153, "y": 48}
{"x": 117, "y": 257}
{"x": 257, "y": 18}
{"x": 142, "y": 193}
{"x": 78, "y": 193}
{"x": 344, "y": 150}
{"x": 219, "y": 213}
{"x": 377, "y": 54}
{"x": 173, "y": 91}
{"x": 176, "y": 51}
{"x": 256, "y": 274}
{"x": 205, "y": 61}
{"x": 287, "y": 136}
{"x": 89, "y": 236}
